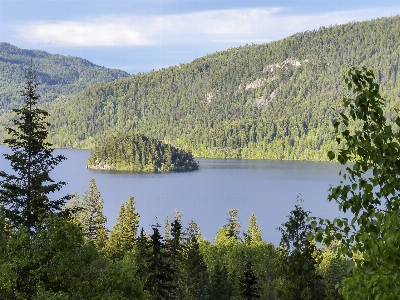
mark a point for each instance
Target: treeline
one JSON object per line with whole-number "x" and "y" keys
{"x": 138, "y": 153}
{"x": 274, "y": 100}
{"x": 171, "y": 262}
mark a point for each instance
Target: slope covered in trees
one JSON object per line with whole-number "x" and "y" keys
{"x": 58, "y": 75}
{"x": 135, "y": 152}
{"x": 274, "y": 100}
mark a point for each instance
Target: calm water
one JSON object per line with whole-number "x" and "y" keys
{"x": 267, "y": 188}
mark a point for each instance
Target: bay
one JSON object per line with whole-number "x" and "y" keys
{"x": 269, "y": 189}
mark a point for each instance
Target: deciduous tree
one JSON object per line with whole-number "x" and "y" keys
{"x": 370, "y": 191}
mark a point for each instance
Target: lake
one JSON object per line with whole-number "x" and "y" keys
{"x": 264, "y": 187}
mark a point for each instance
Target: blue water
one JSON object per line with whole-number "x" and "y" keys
{"x": 267, "y": 188}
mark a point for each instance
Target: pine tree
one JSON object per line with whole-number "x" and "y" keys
{"x": 93, "y": 219}
{"x": 253, "y": 233}
{"x": 123, "y": 235}
{"x": 24, "y": 195}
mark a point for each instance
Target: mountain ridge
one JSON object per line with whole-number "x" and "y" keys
{"x": 269, "y": 101}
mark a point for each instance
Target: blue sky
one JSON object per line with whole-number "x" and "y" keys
{"x": 141, "y": 35}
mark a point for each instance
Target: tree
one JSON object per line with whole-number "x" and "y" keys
{"x": 298, "y": 277}
{"x": 123, "y": 235}
{"x": 219, "y": 286}
{"x": 24, "y": 195}
{"x": 253, "y": 233}
{"x": 231, "y": 229}
{"x": 370, "y": 191}
{"x": 160, "y": 273}
{"x": 248, "y": 282}
{"x": 195, "y": 268}
{"x": 92, "y": 217}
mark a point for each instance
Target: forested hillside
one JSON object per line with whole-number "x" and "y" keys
{"x": 58, "y": 75}
{"x": 274, "y": 100}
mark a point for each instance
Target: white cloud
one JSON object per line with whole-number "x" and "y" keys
{"x": 237, "y": 26}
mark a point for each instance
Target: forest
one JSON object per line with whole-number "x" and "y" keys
{"x": 268, "y": 101}
{"x": 138, "y": 153}
{"x": 282, "y": 100}
{"x": 61, "y": 249}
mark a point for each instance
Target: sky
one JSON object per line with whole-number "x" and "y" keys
{"x": 144, "y": 35}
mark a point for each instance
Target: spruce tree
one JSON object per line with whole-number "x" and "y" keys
{"x": 248, "y": 282}
{"x": 93, "y": 219}
{"x": 298, "y": 259}
{"x": 123, "y": 235}
{"x": 195, "y": 268}
{"x": 24, "y": 195}
{"x": 160, "y": 279}
{"x": 253, "y": 233}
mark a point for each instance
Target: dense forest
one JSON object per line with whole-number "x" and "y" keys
{"x": 138, "y": 153}
{"x": 275, "y": 100}
{"x": 59, "y": 76}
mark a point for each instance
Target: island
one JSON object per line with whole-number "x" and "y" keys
{"x": 139, "y": 153}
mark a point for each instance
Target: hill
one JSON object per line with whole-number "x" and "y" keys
{"x": 275, "y": 100}
{"x": 58, "y": 75}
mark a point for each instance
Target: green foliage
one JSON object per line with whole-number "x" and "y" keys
{"x": 219, "y": 286}
{"x": 252, "y": 235}
{"x": 91, "y": 217}
{"x": 333, "y": 268}
{"x": 53, "y": 261}
{"x": 135, "y": 152}
{"x": 59, "y": 75}
{"x": 248, "y": 281}
{"x": 298, "y": 277}
{"x": 160, "y": 280}
{"x": 194, "y": 271}
{"x": 370, "y": 191}
{"x": 274, "y": 100}
{"x": 123, "y": 235}
{"x": 24, "y": 195}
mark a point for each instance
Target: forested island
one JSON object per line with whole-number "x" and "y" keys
{"x": 138, "y": 153}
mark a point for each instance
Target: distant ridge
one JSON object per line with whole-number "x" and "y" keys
{"x": 57, "y": 74}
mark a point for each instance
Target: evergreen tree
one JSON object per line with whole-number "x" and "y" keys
{"x": 24, "y": 195}
{"x": 233, "y": 225}
{"x": 123, "y": 235}
{"x": 219, "y": 286}
{"x": 298, "y": 276}
{"x": 93, "y": 219}
{"x": 74, "y": 209}
{"x": 160, "y": 279}
{"x": 195, "y": 269}
{"x": 248, "y": 282}
{"x": 253, "y": 233}
{"x": 143, "y": 257}
{"x": 175, "y": 249}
